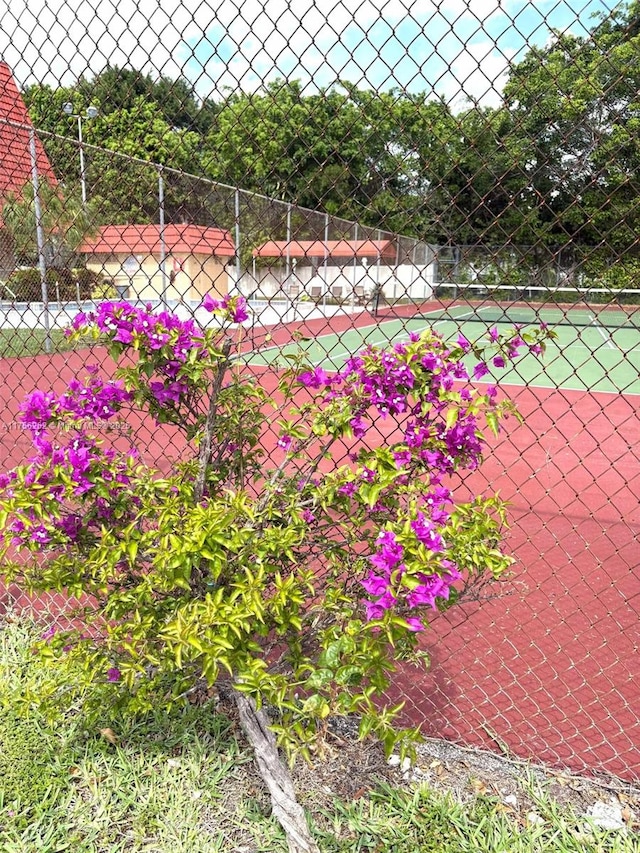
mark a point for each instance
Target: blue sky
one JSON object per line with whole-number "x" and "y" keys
{"x": 452, "y": 48}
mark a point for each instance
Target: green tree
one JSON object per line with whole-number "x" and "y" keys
{"x": 576, "y": 111}
{"x": 120, "y": 88}
{"x": 128, "y": 188}
{"x": 302, "y": 149}
{"x": 65, "y": 223}
{"x": 130, "y": 122}
{"x": 117, "y": 89}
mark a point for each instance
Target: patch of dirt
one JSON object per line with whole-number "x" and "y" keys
{"x": 349, "y": 769}
{"x": 465, "y": 773}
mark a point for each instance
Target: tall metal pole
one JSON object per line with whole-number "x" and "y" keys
{"x": 355, "y": 267}
{"x": 163, "y": 245}
{"x": 42, "y": 263}
{"x": 326, "y": 259}
{"x": 238, "y": 264}
{"x": 92, "y": 112}
{"x": 83, "y": 179}
{"x": 288, "y": 262}
{"x": 377, "y": 288}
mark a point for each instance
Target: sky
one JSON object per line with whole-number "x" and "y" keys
{"x": 456, "y": 49}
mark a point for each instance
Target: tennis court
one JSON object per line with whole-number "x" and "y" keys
{"x": 594, "y": 351}
{"x": 550, "y": 664}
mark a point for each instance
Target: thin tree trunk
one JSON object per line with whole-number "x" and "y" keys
{"x": 276, "y": 776}
{"x": 207, "y": 436}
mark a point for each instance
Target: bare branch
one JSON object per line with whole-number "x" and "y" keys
{"x": 207, "y": 438}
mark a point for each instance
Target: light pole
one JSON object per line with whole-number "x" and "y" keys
{"x": 92, "y": 112}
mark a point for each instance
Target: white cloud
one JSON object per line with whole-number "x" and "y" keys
{"x": 480, "y": 72}
{"x": 439, "y": 44}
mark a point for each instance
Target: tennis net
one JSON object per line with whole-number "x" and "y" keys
{"x": 570, "y": 306}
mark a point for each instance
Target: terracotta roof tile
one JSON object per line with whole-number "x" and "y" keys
{"x": 145, "y": 239}
{"x": 15, "y": 157}
{"x": 385, "y": 249}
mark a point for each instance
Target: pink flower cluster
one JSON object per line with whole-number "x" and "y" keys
{"x": 93, "y": 399}
{"x": 161, "y": 337}
{"x": 165, "y": 341}
{"x": 385, "y": 583}
{"x": 127, "y": 324}
{"x": 422, "y": 383}
{"x": 82, "y": 487}
{"x": 233, "y": 307}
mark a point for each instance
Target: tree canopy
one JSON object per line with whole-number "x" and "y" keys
{"x": 557, "y": 162}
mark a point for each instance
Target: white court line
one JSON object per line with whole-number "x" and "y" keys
{"x": 605, "y": 335}
{"x": 348, "y": 354}
{"x": 375, "y": 343}
{"x": 345, "y": 353}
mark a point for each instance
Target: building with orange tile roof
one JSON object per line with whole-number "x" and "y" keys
{"x": 176, "y": 262}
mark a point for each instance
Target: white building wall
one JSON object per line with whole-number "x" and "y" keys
{"x": 405, "y": 281}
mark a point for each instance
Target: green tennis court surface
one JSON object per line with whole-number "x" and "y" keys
{"x": 588, "y": 356}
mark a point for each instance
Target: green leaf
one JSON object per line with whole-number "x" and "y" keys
{"x": 493, "y": 422}
{"x": 452, "y": 417}
{"x": 317, "y": 706}
{"x": 349, "y": 675}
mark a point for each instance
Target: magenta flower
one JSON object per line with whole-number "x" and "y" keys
{"x": 38, "y": 408}
{"x": 42, "y": 444}
{"x": 375, "y": 584}
{"x": 235, "y": 307}
{"x": 114, "y": 674}
{"x": 123, "y": 335}
{"x": 480, "y": 370}
{"x": 426, "y": 533}
{"x": 94, "y": 398}
{"x": 347, "y": 489}
{"x": 463, "y": 343}
{"x": 390, "y": 552}
{"x": 314, "y": 378}
{"x": 402, "y": 458}
{"x": 71, "y": 526}
{"x": 210, "y": 304}
{"x": 239, "y": 312}
{"x": 358, "y": 427}
{"x": 40, "y": 535}
{"x": 377, "y": 609}
{"x": 167, "y": 392}
{"x": 425, "y": 594}
{"x": 459, "y": 371}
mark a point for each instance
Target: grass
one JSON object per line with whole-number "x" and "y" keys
{"x": 17, "y": 343}
{"x": 184, "y": 784}
{"x": 404, "y": 821}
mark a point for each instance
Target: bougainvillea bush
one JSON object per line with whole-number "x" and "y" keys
{"x": 293, "y": 579}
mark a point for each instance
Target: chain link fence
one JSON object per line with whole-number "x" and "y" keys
{"x": 457, "y": 165}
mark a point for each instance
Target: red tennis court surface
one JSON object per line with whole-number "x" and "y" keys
{"x": 550, "y": 667}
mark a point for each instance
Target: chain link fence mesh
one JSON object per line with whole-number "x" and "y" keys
{"x": 355, "y": 171}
